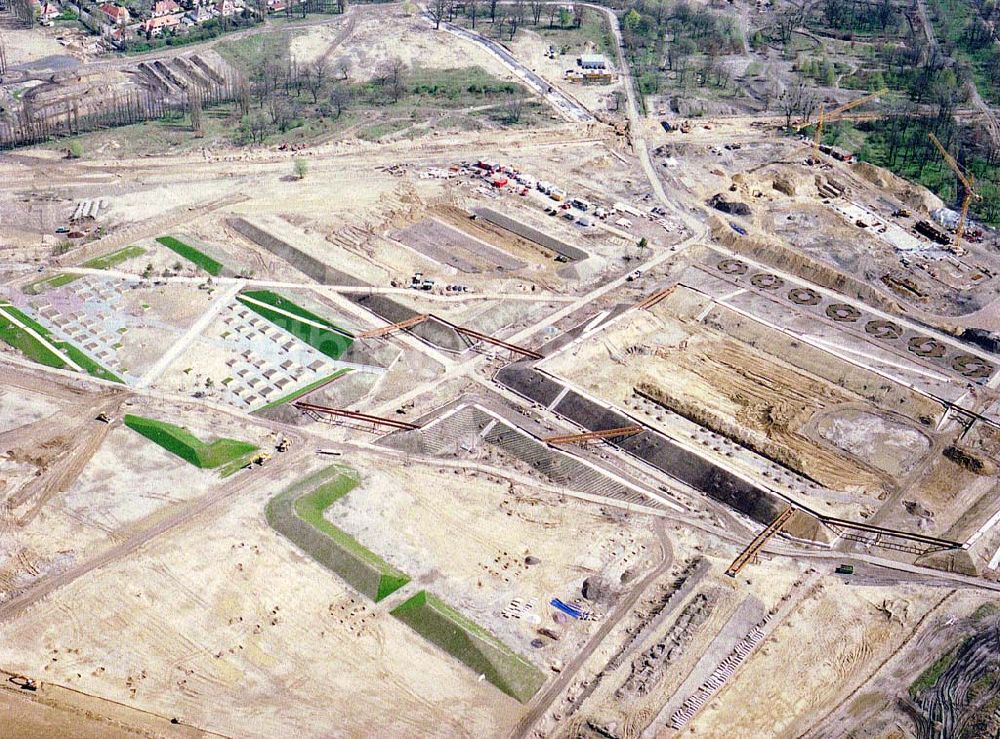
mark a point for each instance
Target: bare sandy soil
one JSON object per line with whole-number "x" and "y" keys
{"x": 24, "y": 45}
{"x": 818, "y": 667}
{"x": 19, "y": 407}
{"x": 242, "y": 616}
{"x": 408, "y": 37}
{"x": 494, "y": 526}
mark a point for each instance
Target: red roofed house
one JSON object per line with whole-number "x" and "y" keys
{"x": 118, "y": 15}
{"x": 166, "y": 14}
{"x": 165, "y": 7}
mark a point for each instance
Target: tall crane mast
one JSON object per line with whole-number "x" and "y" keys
{"x": 968, "y": 184}
{"x": 824, "y": 116}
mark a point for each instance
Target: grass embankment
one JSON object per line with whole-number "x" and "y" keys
{"x": 325, "y": 337}
{"x": 303, "y": 391}
{"x": 471, "y": 644}
{"x": 298, "y": 512}
{"x": 187, "y": 251}
{"x": 106, "y": 261}
{"x": 36, "y": 350}
{"x": 229, "y": 454}
{"x": 299, "y": 516}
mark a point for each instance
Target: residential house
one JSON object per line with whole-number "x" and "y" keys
{"x": 116, "y": 14}
{"x": 199, "y": 14}
{"x": 166, "y": 15}
{"x": 225, "y": 8}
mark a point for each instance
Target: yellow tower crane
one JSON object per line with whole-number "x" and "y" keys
{"x": 834, "y": 115}
{"x": 968, "y": 183}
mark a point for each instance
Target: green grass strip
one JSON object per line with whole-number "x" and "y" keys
{"x": 27, "y": 344}
{"x": 115, "y": 258}
{"x": 929, "y": 677}
{"x": 178, "y": 440}
{"x": 310, "y": 508}
{"x": 471, "y": 644}
{"x": 49, "y": 283}
{"x": 201, "y": 259}
{"x": 298, "y": 514}
{"x": 332, "y": 342}
{"x": 45, "y": 357}
{"x": 302, "y": 391}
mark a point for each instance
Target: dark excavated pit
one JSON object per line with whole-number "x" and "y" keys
{"x": 525, "y": 381}
{"x": 304, "y": 263}
{"x": 433, "y": 331}
{"x": 651, "y": 447}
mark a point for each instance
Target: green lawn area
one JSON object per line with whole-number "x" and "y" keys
{"x": 178, "y": 440}
{"x": 115, "y": 258}
{"x": 34, "y": 349}
{"x": 48, "y": 283}
{"x": 307, "y": 389}
{"x": 204, "y": 261}
{"x": 471, "y": 644}
{"x": 332, "y": 341}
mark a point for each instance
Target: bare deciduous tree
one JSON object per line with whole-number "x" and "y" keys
{"x": 513, "y": 107}
{"x": 438, "y": 9}
{"x": 340, "y": 98}
{"x": 316, "y": 75}
{"x": 536, "y": 10}
{"x": 343, "y": 67}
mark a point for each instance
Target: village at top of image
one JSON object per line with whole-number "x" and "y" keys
{"x": 500, "y": 368}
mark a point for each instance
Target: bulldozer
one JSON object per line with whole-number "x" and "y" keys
{"x": 257, "y": 459}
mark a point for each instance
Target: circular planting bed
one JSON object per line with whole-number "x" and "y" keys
{"x": 732, "y": 267}
{"x": 971, "y": 366}
{"x": 843, "y": 312}
{"x": 804, "y": 296}
{"x": 884, "y": 329}
{"x": 924, "y": 346}
{"x": 766, "y": 281}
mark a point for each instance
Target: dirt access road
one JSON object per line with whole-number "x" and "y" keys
{"x": 542, "y": 702}
{"x": 273, "y": 473}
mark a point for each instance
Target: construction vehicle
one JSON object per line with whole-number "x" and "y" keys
{"x": 282, "y": 445}
{"x": 258, "y": 459}
{"x": 832, "y": 116}
{"x": 968, "y": 184}
{"x": 24, "y": 683}
{"x": 103, "y": 418}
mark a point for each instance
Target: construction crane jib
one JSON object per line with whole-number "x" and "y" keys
{"x": 968, "y": 184}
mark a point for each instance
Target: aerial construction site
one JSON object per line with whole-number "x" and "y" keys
{"x": 499, "y": 370}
